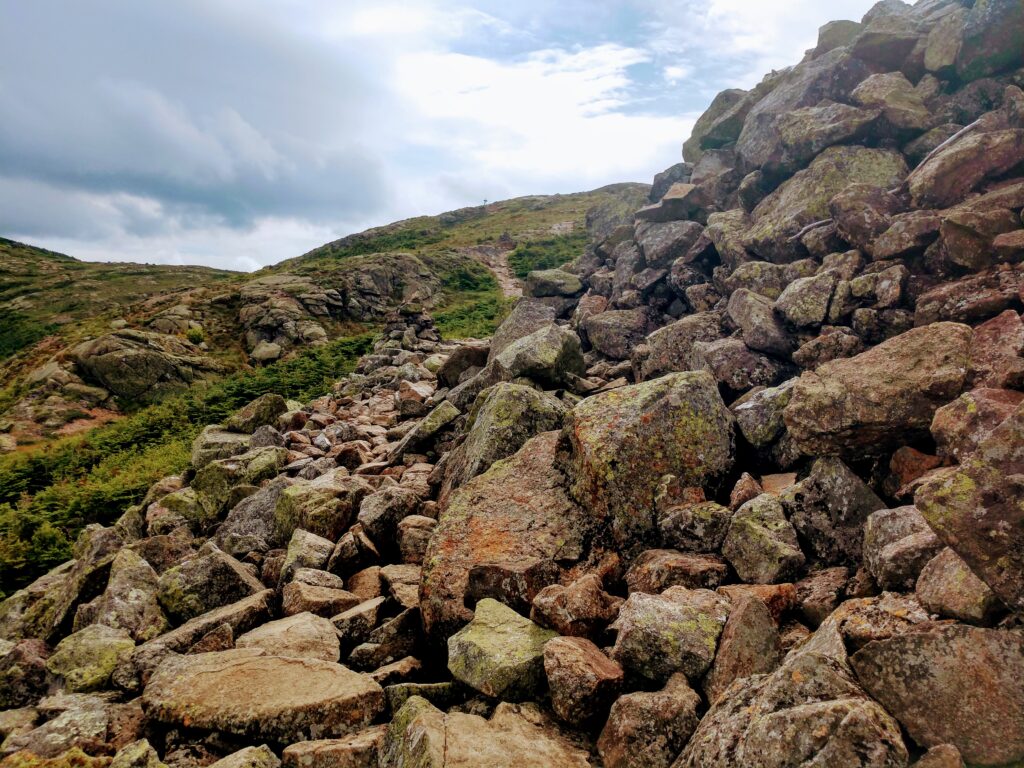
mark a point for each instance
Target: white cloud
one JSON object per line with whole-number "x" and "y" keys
{"x": 242, "y": 132}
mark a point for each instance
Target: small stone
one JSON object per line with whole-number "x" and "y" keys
{"x": 581, "y": 609}
{"x": 250, "y": 757}
{"x": 582, "y": 680}
{"x": 356, "y": 751}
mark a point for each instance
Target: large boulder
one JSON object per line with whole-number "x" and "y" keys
{"x": 86, "y": 659}
{"x": 504, "y": 418}
{"x": 948, "y": 588}
{"x": 549, "y": 356}
{"x": 582, "y": 680}
{"x": 676, "y": 631}
{"x": 897, "y": 545}
{"x": 624, "y": 441}
{"x": 887, "y": 396}
{"x": 526, "y": 317}
{"x": 248, "y": 694}
{"x": 673, "y": 347}
{"x": 810, "y": 711}
{"x": 142, "y": 365}
{"x": 263, "y": 411}
{"x": 761, "y": 543}
{"x": 499, "y": 653}
{"x": 804, "y": 198}
{"x": 952, "y": 684}
{"x": 975, "y": 509}
{"x": 302, "y": 636}
{"x": 517, "y": 512}
{"x": 991, "y": 41}
{"x": 516, "y": 736}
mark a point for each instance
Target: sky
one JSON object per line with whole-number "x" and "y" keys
{"x": 237, "y": 133}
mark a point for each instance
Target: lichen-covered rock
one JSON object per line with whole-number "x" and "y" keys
{"x": 761, "y": 544}
{"x": 975, "y": 510}
{"x": 215, "y": 442}
{"x": 947, "y": 587}
{"x": 250, "y": 757}
{"x": 499, "y": 653}
{"x": 656, "y": 570}
{"x": 550, "y": 355}
{"x": 903, "y": 109}
{"x": 251, "y": 526}
{"x": 129, "y": 602}
{"x": 760, "y": 416}
{"x": 989, "y": 43}
{"x": 952, "y": 684}
{"x": 672, "y": 348}
{"x": 526, "y": 317}
{"x": 804, "y": 198}
{"x": 676, "y": 631}
{"x": 617, "y": 333}
{"x": 207, "y": 580}
{"x": 23, "y": 673}
{"x": 216, "y": 485}
{"x": 960, "y": 427}
{"x": 516, "y": 736}
{"x": 86, "y": 659}
{"x": 997, "y": 352}
{"x": 699, "y": 527}
{"x": 138, "y": 754}
{"x": 805, "y": 302}
{"x": 263, "y": 411}
{"x": 324, "y": 506}
{"x": 810, "y": 711}
{"x": 864, "y": 405}
{"x": 762, "y": 330}
{"x": 356, "y": 751}
{"x": 582, "y": 680}
{"x": 663, "y": 243}
{"x": 517, "y": 512}
{"x": 897, "y": 545}
{"x": 552, "y": 282}
{"x": 829, "y": 508}
{"x": 648, "y": 729}
{"x": 624, "y": 441}
{"x": 142, "y": 365}
{"x": 956, "y": 169}
{"x": 246, "y": 693}
{"x": 505, "y": 417}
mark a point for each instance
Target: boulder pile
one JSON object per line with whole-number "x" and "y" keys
{"x": 740, "y": 486}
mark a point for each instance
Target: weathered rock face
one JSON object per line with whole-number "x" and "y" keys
{"x": 249, "y": 694}
{"x": 947, "y": 587}
{"x": 975, "y": 510}
{"x": 761, "y": 543}
{"x": 952, "y": 685}
{"x": 506, "y": 416}
{"x": 517, "y": 511}
{"x": 141, "y": 365}
{"x": 673, "y": 348}
{"x": 810, "y": 711}
{"x": 804, "y": 198}
{"x": 677, "y": 425}
{"x": 676, "y": 631}
{"x": 862, "y": 405}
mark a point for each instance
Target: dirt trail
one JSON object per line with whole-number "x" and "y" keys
{"x": 495, "y": 258}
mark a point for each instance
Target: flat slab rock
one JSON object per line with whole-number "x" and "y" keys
{"x": 246, "y": 693}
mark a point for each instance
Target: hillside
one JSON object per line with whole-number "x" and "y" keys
{"x": 739, "y": 485}
{"x": 67, "y": 321}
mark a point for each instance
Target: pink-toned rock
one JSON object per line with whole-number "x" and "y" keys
{"x": 656, "y": 570}
{"x": 749, "y": 645}
{"x": 581, "y": 609}
{"x": 997, "y": 352}
{"x": 582, "y": 680}
{"x": 960, "y": 427}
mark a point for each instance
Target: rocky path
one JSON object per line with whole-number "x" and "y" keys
{"x": 495, "y": 258}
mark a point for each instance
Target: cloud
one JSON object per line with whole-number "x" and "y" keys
{"x": 241, "y": 132}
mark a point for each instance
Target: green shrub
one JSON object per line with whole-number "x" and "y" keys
{"x": 18, "y": 331}
{"x": 546, "y": 254}
{"x": 473, "y": 317}
{"x": 48, "y": 495}
{"x": 195, "y": 335}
